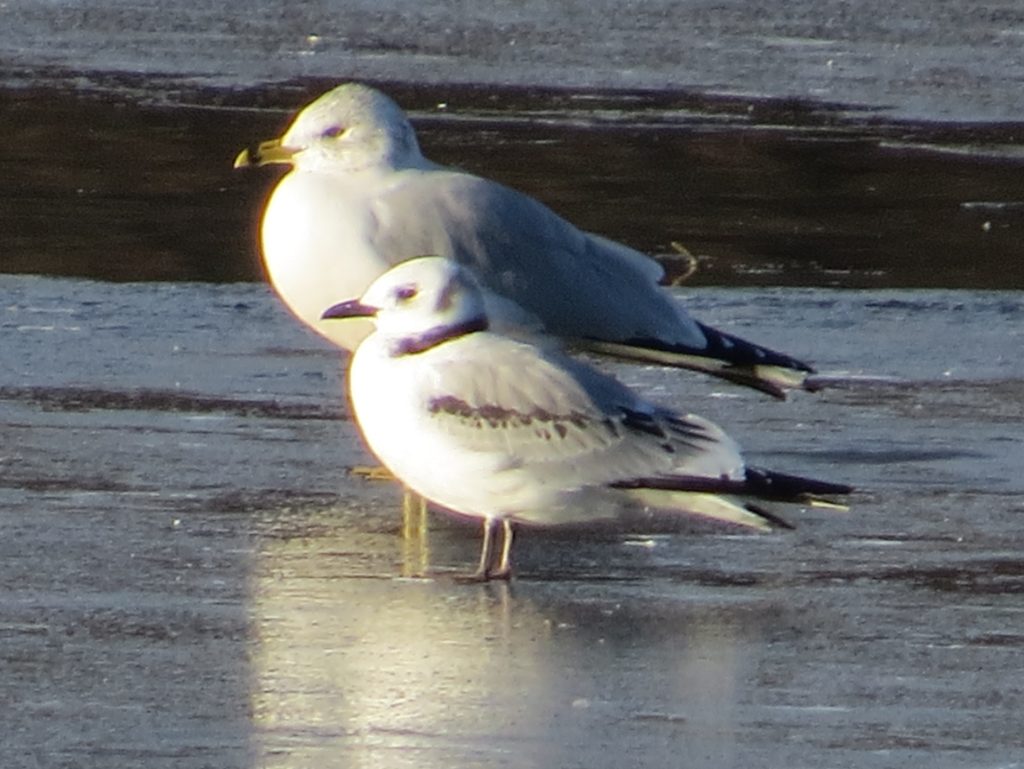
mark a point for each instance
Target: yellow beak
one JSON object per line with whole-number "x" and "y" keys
{"x": 264, "y": 154}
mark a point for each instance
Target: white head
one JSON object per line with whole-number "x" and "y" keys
{"x": 349, "y": 128}
{"x": 419, "y": 304}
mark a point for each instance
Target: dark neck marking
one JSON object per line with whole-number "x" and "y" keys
{"x": 413, "y": 345}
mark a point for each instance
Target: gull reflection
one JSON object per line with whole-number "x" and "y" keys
{"x": 357, "y": 666}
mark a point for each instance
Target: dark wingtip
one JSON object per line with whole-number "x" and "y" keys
{"x": 772, "y": 485}
{"x": 756, "y": 482}
{"x": 724, "y": 356}
{"x": 740, "y": 352}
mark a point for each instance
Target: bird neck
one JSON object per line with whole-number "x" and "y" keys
{"x": 414, "y": 345}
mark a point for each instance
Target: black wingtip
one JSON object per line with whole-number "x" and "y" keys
{"x": 737, "y": 354}
{"x": 772, "y": 485}
{"x": 724, "y": 356}
{"x": 763, "y": 484}
{"x": 740, "y": 352}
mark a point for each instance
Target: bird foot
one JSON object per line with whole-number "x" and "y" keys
{"x": 372, "y": 472}
{"x": 479, "y": 577}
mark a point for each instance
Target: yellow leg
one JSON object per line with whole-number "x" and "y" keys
{"x": 414, "y": 514}
{"x": 415, "y": 544}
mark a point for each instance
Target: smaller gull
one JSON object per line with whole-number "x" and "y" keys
{"x": 515, "y": 432}
{"x": 361, "y": 197}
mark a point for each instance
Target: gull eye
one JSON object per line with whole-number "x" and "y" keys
{"x": 406, "y": 293}
{"x": 333, "y": 132}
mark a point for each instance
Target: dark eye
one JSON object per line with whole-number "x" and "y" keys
{"x": 333, "y": 132}
{"x": 406, "y": 293}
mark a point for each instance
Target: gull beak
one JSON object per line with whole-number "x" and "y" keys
{"x": 353, "y": 308}
{"x": 265, "y": 153}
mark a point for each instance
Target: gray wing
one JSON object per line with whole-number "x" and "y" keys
{"x": 580, "y": 285}
{"x": 554, "y": 417}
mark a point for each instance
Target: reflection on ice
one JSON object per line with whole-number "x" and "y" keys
{"x": 354, "y": 668}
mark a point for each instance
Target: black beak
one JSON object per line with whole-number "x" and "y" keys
{"x": 353, "y": 308}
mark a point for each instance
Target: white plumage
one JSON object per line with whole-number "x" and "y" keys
{"x": 360, "y": 197}
{"x": 512, "y": 431}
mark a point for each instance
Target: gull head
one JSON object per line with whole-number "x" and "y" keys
{"x": 350, "y": 128}
{"x": 419, "y": 304}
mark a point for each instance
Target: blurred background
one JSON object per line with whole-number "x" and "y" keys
{"x": 781, "y": 143}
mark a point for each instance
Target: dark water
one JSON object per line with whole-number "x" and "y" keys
{"x": 763, "y": 192}
{"x": 190, "y": 577}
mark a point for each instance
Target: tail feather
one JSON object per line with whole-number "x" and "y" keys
{"x": 713, "y": 507}
{"x": 729, "y": 499}
{"x": 725, "y": 356}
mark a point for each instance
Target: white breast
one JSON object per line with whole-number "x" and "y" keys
{"x": 316, "y": 250}
{"x": 400, "y": 431}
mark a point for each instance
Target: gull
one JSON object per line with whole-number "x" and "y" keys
{"x": 360, "y": 197}
{"x": 514, "y": 431}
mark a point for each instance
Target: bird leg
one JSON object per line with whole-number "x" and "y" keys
{"x": 504, "y": 570}
{"x": 485, "y": 571}
{"x": 414, "y": 515}
{"x": 415, "y": 543}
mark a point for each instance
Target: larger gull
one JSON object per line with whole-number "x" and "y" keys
{"x": 515, "y": 432}
{"x": 360, "y": 197}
